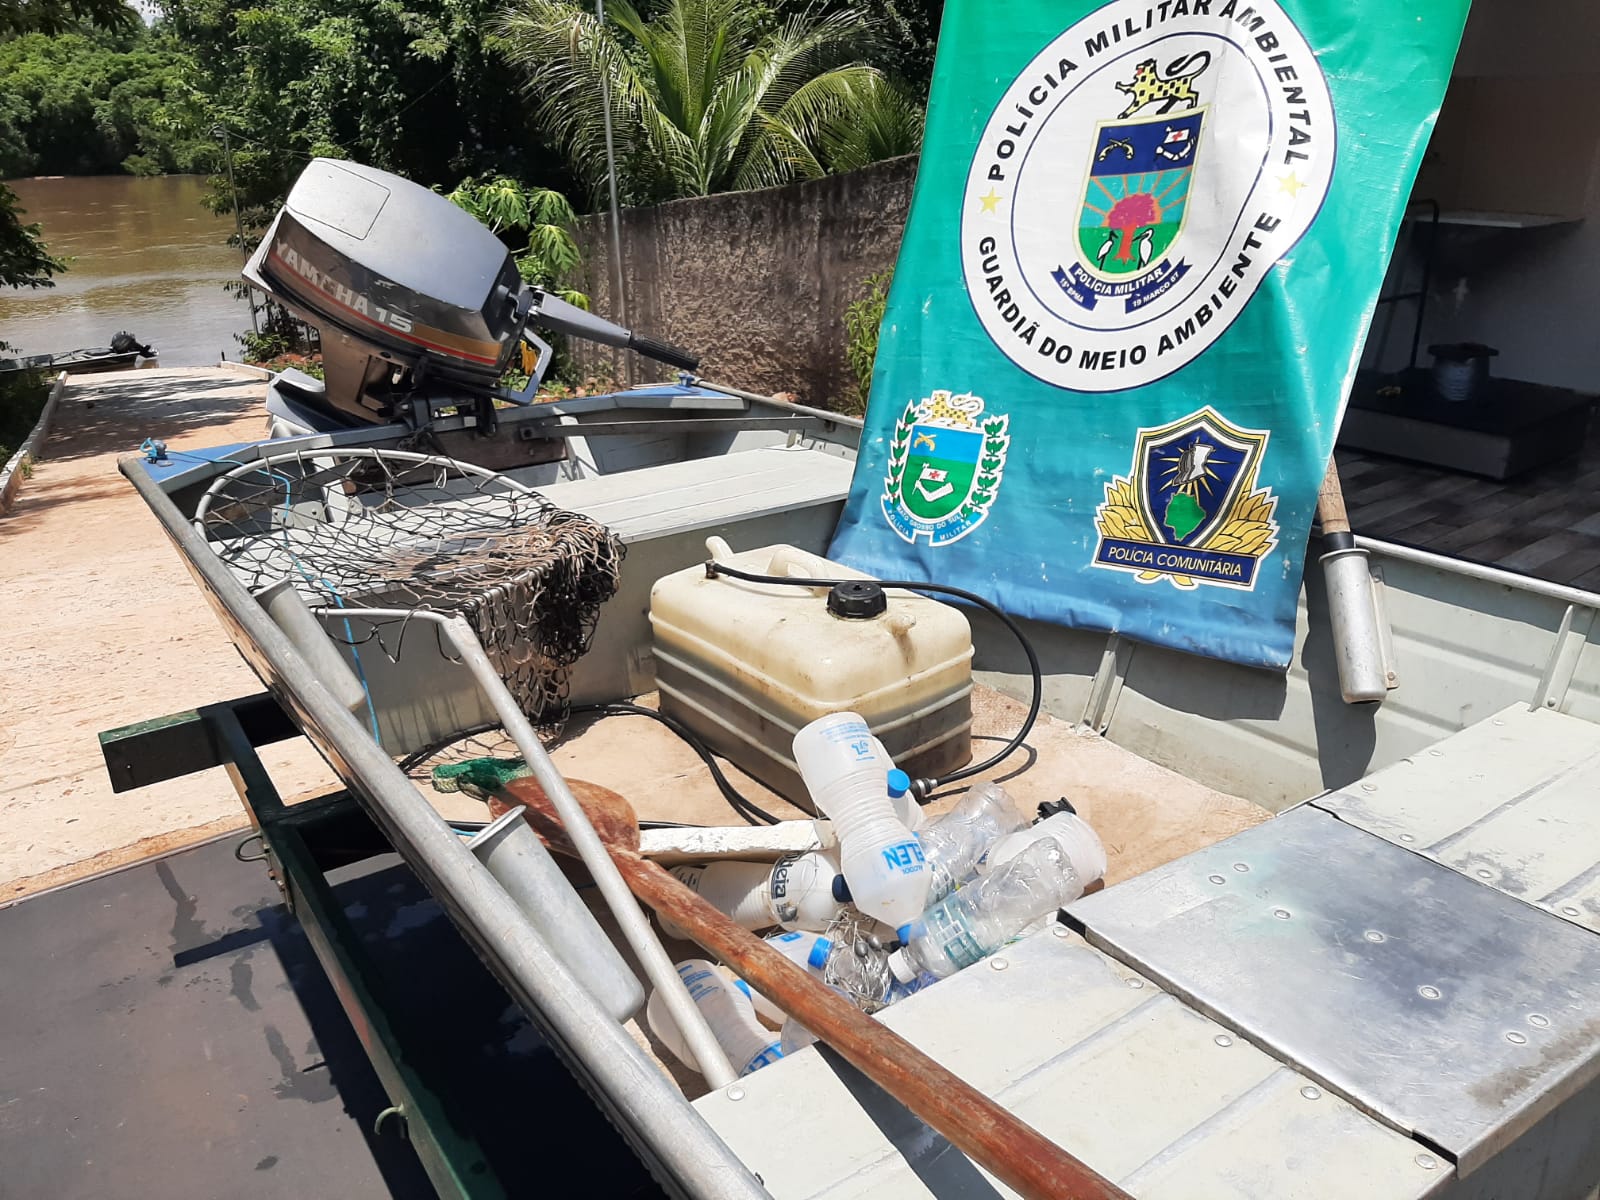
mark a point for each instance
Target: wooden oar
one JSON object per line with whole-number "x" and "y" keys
{"x": 1013, "y": 1151}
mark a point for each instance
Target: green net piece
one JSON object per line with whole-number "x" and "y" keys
{"x": 479, "y": 776}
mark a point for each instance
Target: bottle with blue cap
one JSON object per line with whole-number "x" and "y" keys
{"x": 804, "y": 949}
{"x": 729, "y": 1010}
{"x": 906, "y": 806}
{"x": 905, "y": 800}
{"x": 847, "y": 774}
{"x": 799, "y": 891}
{"x": 975, "y": 921}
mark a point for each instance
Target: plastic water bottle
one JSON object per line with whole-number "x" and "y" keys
{"x": 976, "y": 921}
{"x": 847, "y": 777}
{"x": 804, "y": 949}
{"x": 796, "y": 1037}
{"x": 1076, "y": 837}
{"x": 728, "y": 1010}
{"x": 956, "y": 843}
{"x": 799, "y": 891}
{"x": 911, "y": 814}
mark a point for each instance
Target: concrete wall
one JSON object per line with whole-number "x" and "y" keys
{"x": 1531, "y": 293}
{"x": 756, "y": 282}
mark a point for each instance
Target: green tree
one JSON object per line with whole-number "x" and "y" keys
{"x": 707, "y": 96}
{"x": 24, "y": 259}
{"x": 910, "y": 32}
{"x": 410, "y": 86}
{"x": 538, "y": 219}
{"x": 97, "y": 102}
{"x": 57, "y": 16}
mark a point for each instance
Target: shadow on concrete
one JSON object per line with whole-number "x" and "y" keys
{"x": 113, "y": 418}
{"x": 166, "y": 1029}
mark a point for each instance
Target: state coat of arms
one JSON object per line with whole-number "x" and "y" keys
{"x": 1189, "y": 511}
{"x": 946, "y": 460}
{"x": 1134, "y": 201}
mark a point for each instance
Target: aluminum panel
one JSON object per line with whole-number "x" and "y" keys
{"x": 1447, "y": 1008}
{"x": 1465, "y": 648}
{"x": 1509, "y": 802}
{"x": 1141, "y": 1087}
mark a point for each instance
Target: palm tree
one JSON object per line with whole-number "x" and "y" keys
{"x": 709, "y": 96}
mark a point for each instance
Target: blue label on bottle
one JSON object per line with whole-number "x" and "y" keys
{"x": 770, "y": 1055}
{"x": 905, "y": 857}
{"x": 855, "y": 737}
{"x": 699, "y": 981}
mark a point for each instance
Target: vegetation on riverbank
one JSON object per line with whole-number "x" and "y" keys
{"x": 100, "y": 102}
{"x": 707, "y": 95}
{"x": 22, "y": 399}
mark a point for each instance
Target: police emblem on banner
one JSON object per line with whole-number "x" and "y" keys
{"x": 1132, "y": 212}
{"x": 1189, "y": 511}
{"x": 946, "y": 460}
{"x": 1137, "y": 183}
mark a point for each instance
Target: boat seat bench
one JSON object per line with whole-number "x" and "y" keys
{"x": 1509, "y": 802}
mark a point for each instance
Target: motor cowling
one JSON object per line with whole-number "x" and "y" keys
{"x": 409, "y": 291}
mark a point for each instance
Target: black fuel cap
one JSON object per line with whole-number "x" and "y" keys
{"x": 857, "y": 600}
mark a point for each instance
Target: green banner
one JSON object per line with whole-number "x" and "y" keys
{"x": 1145, "y": 247}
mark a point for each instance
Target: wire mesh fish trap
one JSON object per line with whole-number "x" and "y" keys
{"x": 392, "y": 529}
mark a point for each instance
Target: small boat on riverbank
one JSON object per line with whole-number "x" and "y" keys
{"x": 125, "y": 353}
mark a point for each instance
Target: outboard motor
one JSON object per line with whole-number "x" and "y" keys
{"x": 417, "y": 302}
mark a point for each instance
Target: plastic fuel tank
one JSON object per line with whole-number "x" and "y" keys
{"x": 748, "y": 665}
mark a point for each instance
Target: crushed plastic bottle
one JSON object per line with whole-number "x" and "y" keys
{"x": 906, "y": 806}
{"x": 728, "y": 1009}
{"x": 977, "y": 920}
{"x": 847, "y": 776}
{"x": 800, "y": 891}
{"x": 957, "y": 842}
{"x": 808, "y": 950}
{"x": 805, "y": 949}
{"x": 1076, "y": 837}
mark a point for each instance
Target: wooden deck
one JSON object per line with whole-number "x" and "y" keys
{"x": 1545, "y": 523}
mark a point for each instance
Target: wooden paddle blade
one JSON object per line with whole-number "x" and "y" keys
{"x": 612, "y": 816}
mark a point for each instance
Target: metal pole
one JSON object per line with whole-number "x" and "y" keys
{"x": 630, "y": 918}
{"x": 631, "y": 921}
{"x": 636, "y": 1094}
{"x": 1352, "y": 607}
{"x": 238, "y": 220}
{"x": 618, "y": 298}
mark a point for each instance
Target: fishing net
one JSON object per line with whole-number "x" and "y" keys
{"x": 391, "y": 529}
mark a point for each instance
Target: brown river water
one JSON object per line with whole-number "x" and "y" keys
{"x": 147, "y": 257}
